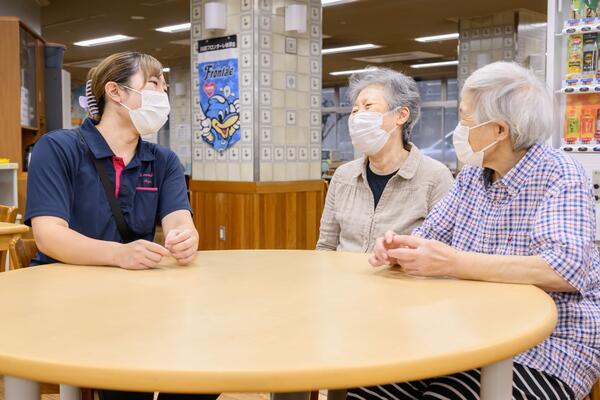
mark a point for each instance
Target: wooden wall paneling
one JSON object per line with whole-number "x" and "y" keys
{"x": 263, "y": 215}
{"x": 257, "y": 224}
{"x": 302, "y": 222}
{"x": 291, "y": 220}
{"x": 312, "y": 219}
{"x": 269, "y": 215}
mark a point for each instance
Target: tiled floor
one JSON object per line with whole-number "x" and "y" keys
{"x": 225, "y": 396}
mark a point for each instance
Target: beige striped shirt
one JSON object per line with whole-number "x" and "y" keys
{"x": 350, "y": 221}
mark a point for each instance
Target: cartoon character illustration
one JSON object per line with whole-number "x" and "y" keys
{"x": 220, "y": 120}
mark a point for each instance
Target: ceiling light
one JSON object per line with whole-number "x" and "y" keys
{"x": 103, "y": 40}
{"x": 435, "y": 64}
{"x": 347, "y": 49}
{"x": 327, "y": 3}
{"x": 175, "y": 28}
{"x": 349, "y": 72}
{"x": 437, "y": 38}
{"x": 166, "y": 69}
{"x": 398, "y": 57}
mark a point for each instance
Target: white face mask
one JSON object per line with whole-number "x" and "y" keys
{"x": 152, "y": 114}
{"x": 366, "y": 133}
{"x": 463, "y": 148}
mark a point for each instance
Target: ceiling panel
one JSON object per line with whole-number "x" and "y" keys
{"x": 392, "y": 24}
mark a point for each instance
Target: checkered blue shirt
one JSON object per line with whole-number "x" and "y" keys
{"x": 543, "y": 206}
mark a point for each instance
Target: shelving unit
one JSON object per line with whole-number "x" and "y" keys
{"x": 576, "y": 131}
{"x": 22, "y": 97}
{"x": 581, "y": 28}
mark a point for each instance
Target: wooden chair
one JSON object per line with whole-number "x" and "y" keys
{"x": 7, "y": 214}
{"x": 21, "y": 252}
{"x": 595, "y": 395}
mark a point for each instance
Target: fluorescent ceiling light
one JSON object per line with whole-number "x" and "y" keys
{"x": 327, "y": 3}
{"x": 437, "y": 38}
{"x": 175, "y": 28}
{"x": 347, "y": 49}
{"x": 103, "y": 40}
{"x": 349, "y": 72}
{"x": 435, "y": 64}
{"x": 166, "y": 69}
{"x": 398, "y": 57}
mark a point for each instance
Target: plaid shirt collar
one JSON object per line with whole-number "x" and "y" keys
{"x": 515, "y": 179}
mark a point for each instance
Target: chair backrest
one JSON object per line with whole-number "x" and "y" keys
{"x": 8, "y": 214}
{"x": 595, "y": 395}
{"x": 21, "y": 252}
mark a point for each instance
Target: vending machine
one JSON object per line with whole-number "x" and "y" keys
{"x": 573, "y": 73}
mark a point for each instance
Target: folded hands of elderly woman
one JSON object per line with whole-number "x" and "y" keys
{"x": 416, "y": 256}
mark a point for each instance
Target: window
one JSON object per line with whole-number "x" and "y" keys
{"x": 439, "y": 116}
{"x": 335, "y": 137}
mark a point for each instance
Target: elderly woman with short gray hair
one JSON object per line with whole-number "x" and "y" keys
{"x": 393, "y": 186}
{"x": 520, "y": 212}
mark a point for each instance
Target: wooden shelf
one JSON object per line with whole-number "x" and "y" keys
{"x": 21, "y": 49}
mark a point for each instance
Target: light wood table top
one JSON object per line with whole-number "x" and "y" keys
{"x": 267, "y": 321}
{"x": 10, "y": 229}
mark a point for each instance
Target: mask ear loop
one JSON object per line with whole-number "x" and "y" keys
{"x": 129, "y": 88}
{"x": 489, "y": 146}
{"x": 392, "y": 111}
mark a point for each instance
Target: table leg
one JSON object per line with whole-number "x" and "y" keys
{"x": 496, "y": 381}
{"x": 339, "y": 394}
{"x": 68, "y": 392}
{"x": 20, "y": 389}
{"x": 289, "y": 396}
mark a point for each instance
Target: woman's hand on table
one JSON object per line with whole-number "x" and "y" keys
{"x": 417, "y": 256}
{"x": 182, "y": 244}
{"x": 140, "y": 254}
{"x": 380, "y": 256}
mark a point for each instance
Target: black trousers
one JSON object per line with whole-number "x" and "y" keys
{"x": 528, "y": 384}
{"x": 117, "y": 395}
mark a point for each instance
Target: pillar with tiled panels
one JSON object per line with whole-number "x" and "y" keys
{"x": 280, "y": 94}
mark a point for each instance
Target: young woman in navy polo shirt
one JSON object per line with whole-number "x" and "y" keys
{"x": 69, "y": 202}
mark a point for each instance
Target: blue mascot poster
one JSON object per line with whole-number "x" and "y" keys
{"x": 219, "y": 95}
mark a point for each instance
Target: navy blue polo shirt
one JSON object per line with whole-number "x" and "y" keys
{"x": 63, "y": 182}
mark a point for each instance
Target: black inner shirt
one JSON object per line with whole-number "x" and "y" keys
{"x": 377, "y": 183}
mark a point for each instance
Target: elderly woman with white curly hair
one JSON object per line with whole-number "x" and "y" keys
{"x": 520, "y": 212}
{"x": 393, "y": 186}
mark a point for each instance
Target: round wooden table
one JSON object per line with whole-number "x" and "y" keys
{"x": 9, "y": 231}
{"x": 259, "y": 321}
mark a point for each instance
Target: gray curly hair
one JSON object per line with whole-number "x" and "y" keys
{"x": 399, "y": 91}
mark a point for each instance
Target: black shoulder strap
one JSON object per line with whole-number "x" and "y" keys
{"x": 109, "y": 190}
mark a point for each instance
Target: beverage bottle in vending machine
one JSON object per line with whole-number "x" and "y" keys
{"x": 597, "y": 135}
{"x": 574, "y": 57}
{"x": 575, "y": 9}
{"x": 589, "y": 58}
{"x": 588, "y": 125}
{"x": 571, "y": 135}
{"x": 590, "y": 10}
